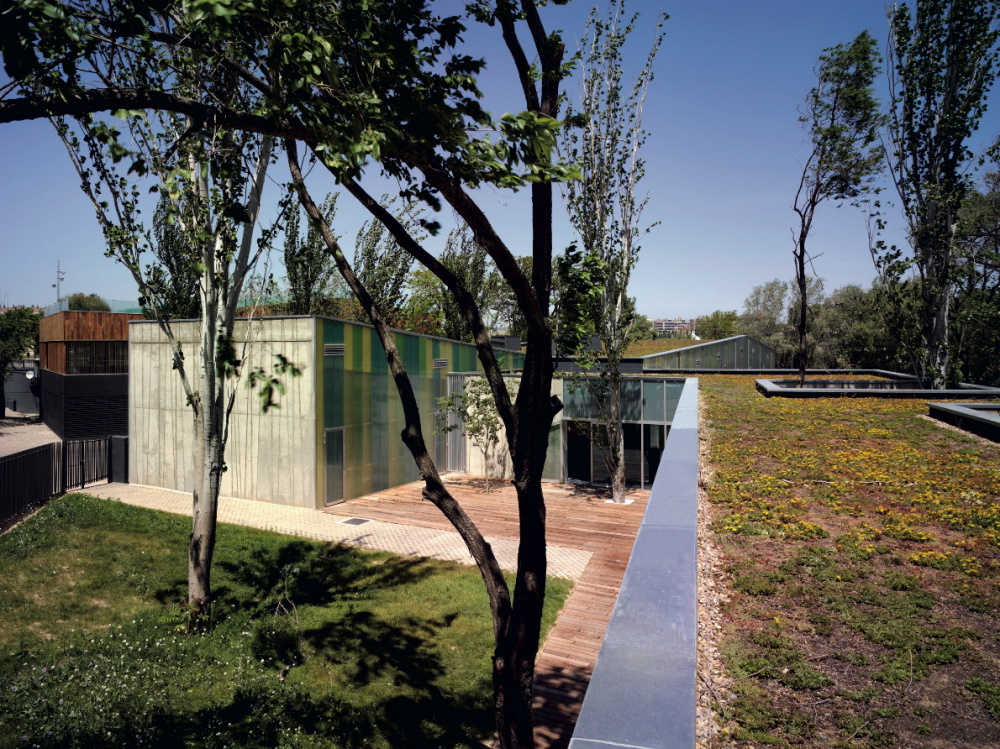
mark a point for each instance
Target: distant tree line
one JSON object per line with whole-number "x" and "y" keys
{"x": 853, "y": 327}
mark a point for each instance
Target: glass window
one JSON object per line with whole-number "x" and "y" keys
{"x": 653, "y": 441}
{"x": 578, "y": 450}
{"x": 653, "y": 401}
{"x": 631, "y": 391}
{"x": 632, "y": 434}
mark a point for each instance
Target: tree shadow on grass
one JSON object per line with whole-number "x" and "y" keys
{"x": 415, "y": 712}
{"x": 313, "y": 575}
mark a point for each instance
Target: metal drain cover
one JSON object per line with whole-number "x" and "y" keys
{"x": 354, "y": 521}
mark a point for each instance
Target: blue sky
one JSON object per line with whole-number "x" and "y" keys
{"x": 723, "y": 160}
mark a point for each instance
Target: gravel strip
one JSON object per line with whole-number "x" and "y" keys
{"x": 713, "y": 684}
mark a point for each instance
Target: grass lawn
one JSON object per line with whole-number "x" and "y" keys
{"x": 659, "y": 345}
{"x": 313, "y": 644}
{"x": 863, "y": 545}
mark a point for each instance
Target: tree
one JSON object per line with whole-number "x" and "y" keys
{"x": 642, "y": 329}
{"x": 382, "y": 265}
{"x": 604, "y": 208}
{"x": 509, "y": 317}
{"x": 18, "y": 335}
{"x": 764, "y": 308}
{"x": 471, "y": 265}
{"x": 943, "y": 61}
{"x": 308, "y": 267}
{"x": 842, "y": 117}
{"x": 791, "y": 352}
{"x": 411, "y": 104}
{"x": 81, "y": 302}
{"x": 210, "y": 181}
{"x": 976, "y": 305}
{"x": 474, "y": 407}
{"x": 765, "y": 318}
{"x": 849, "y": 331}
{"x": 720, "y": 324}
{"x": 173, "y": 276}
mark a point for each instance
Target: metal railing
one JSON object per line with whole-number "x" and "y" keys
{"x": 31, "y": 477}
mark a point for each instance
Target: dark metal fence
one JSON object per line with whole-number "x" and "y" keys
{"x": 30, "y": 477}
{"x": 83, "y": 462}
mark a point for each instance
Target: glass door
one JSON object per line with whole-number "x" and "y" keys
{"x": 334, "y": 449}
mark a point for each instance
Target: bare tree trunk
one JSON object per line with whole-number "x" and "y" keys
{"x": 937, "y": 343}
{"x": 616, "y": 437}
{"x": 517, "y": 646}
{"x": 800, "y": 278}
{"x": 209, "y": 447}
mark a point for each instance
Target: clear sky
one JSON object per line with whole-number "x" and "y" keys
{"x": 723, "y": 161}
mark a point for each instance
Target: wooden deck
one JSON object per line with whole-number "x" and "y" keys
{"x": 578, "y": 518}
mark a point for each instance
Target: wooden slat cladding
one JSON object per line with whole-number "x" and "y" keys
{"x": 51, "y": 328}
{"x": 52, "y": 356}
{"x": 86, "y": 326}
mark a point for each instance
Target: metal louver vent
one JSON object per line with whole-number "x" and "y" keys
{"x": 334, "y": 349}
{"x": 440, "y": 364}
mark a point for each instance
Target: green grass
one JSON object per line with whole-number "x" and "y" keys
{"x": 659, "y": 345}
{"x": 312, "y": 644}
{"x": 863, "y": 546}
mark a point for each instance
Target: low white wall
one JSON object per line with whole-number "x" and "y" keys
{"x": 270, "y": 456}
{"x": 500, "y": 464}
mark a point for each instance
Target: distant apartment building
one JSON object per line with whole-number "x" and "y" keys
{"x": 678, "y": 325}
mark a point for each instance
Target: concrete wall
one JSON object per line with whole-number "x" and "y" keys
{"x": 500, "y": 464}
{"x": 270, "y": 457}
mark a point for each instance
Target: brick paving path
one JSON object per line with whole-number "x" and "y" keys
{"x": 329, "y": 526}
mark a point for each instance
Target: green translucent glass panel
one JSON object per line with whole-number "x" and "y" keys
{"x": 553, "y": 457}
{"x": 359, "y": 395}
{"x": 334, "y": 464}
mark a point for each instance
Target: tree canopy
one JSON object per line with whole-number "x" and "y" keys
{"x": 350, "y": 85}
{"x": 943, "y": 61}
{"x": 18, "y": 336}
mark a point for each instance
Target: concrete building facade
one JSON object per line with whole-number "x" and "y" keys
{"x": 335, "y": 434}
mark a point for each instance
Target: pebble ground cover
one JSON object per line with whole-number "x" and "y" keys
{"x": 313, "y": 645}
{"x": 862, "y": 544}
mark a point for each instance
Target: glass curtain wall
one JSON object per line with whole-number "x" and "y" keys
{"x": 739, "y": 352}
{"x": 648, "y": 406}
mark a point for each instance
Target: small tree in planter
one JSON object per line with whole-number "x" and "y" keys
{"x": 475, "y": 408}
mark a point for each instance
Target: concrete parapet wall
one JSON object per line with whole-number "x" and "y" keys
{"x": 643, "y": 691}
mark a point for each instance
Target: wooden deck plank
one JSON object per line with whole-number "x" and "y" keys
{"x": 577, "y": 518}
